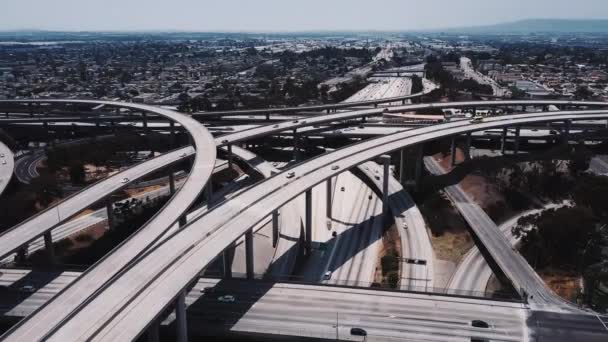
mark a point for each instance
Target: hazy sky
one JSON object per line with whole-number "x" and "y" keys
{"x": 282, "y": 15}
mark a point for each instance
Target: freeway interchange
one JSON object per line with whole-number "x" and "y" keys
{"x": 123, "y": 294}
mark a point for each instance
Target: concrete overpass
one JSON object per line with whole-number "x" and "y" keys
{"x": 240, "y": 137}
{"x": 160, "y": 277}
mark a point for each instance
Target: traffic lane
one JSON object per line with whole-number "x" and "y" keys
{"x": 564, "y": 327}
{"x": 381, "y": 313}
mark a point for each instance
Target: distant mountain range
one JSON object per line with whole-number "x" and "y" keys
{"x": 540, "y": 26}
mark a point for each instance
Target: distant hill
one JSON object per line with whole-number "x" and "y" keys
{"x": 541, "y": 26}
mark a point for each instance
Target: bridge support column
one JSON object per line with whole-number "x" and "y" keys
{"x": 209, "y": 190}
{"x": 453, "y": 151}
{"x": 503, "y": 140}
{"x": 249, "y": 254}
{"x": 328, "y": 204}
{"x": 230, "y": 156}
{"x": 171, "y": 181}
{"x": 275, "y": 228}
{"x": 566, "y": 134}
{"x": 145, "y": 121}
{"x": 386, "y": 163}
{"x": 172, "y": 133}
{"x": 402, "y": 173}
{"x": 227, "y": 256}
{"x": 296, "y": 144}
{"x": 110, "y": 213}
{"x": 516, "y": 143}
{"x": 180, "y": 317}
{"x": 419, "y": 164}
{"x": 308, "y": 219}
{"x": 467, "y": 151}
{"x": 22, "y": 254}
{"x": 48, "y": 245}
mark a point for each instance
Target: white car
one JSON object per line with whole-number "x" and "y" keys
{"x": 291, "y": 174}
{"x": 404, "y": 225}
{"x": 226, "y": 299}
{"x": 327, "y": 275}
{"x": 125, "y": 180}
{"x": 28, "y": 288}
{"x": 3, "y": 162}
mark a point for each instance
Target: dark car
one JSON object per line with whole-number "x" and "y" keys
{"x": 358, "y": 332}
{"x": 479, "y": 324}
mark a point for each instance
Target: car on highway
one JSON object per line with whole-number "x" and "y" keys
{"x": 327, "y": 275}
{"x": 275, "y": 126}
{"x": 291, "y": 174}
{"x": 3, "y": 162}
{"x": 208, "y": 289}
{"x": 334, "y": 233}
{"x": 295, "y": 121}
{"x": 125, "y": 180}
{"x": 404, "y": 225}
{"x": 342, "y": 189}
{"x": 183, "y": 155}
{"x": 476, "y": 119}
{"x": 28, "y": 288}
{"x": 1, "y": 155}
{"x": 370, "y": 197}
{"x": 358, "y": 332}
{"x": 479, "y": 324}
{"x": 226, "y": 299}
{"x": 225, "y": 141}
{"x": 335, "y": 167}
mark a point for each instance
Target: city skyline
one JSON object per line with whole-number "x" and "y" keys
{"x": 279, "y": 16}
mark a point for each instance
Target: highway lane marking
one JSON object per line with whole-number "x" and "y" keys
{"x": 602, "y": 320}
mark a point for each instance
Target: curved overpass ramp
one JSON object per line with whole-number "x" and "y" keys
{"x": 7, "y": 165}
{"x": 126, "y": 305}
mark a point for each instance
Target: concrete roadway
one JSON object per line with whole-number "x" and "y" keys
{"x": 172, "y": 211}
{"x": 351, "y": 256}
{"x": 42, "y": 222}
{"x": 101, "y": 215}
{"x": 303, "y": 123}
{"x": 413, "y": 234}
{"x": 268, "y": 308}
{"x": 7, "y": 165}
{"x": 515, "y": 267}
{"x": 473, "y": 272}
{"x": 25, "y": 166}
{"x": 130, "y": 301}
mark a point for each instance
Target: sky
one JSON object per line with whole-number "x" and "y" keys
{"x": 282, "y": 15}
